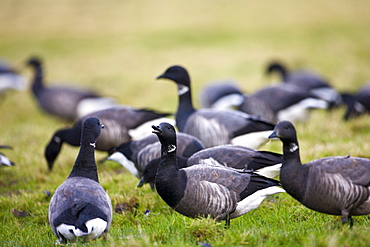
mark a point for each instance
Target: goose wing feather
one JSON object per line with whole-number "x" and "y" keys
{"x": 212, "y": 190}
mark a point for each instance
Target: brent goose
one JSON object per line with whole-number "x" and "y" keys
{"x": 10, "y": 79}
{"x": 136, "y": 154}
{"x": 264, "y": 163}
{"x": 357, "y": 103}
{"x": 80, "y": 207}
{"x": 282, "y": 102}
{"x": 221, "y": 95}
{"x": 332, "y": 185}
{"x": 119, "y": 122}
{"x": 215, "y": 127}
{"x": 5, "y": 161}
{"x": 65, "y": 102}
{"x": 220, "y": 192}
{"x": 307, "y": 80}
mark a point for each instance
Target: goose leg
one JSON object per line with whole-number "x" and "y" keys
{"x": 227, "y": 221}
{"x": 347, "y": 218}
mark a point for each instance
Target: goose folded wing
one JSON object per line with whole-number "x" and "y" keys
{"x": 357, "y": 170}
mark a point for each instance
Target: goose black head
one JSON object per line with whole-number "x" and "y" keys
{"x": 91, "y": 129}
{"x": 34, "y": 61}
{"x": 166, "y": 134}
{"x": 179, "y": 75}
{"x": 284, "y": 131}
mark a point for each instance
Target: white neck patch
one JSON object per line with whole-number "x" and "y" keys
{"x": 57, "y": 139}
{"x": 182, "y": 89}
{"x": 93, "y": 144}
{"x": 293, "y": 147}
{"x": 171, "y": 148}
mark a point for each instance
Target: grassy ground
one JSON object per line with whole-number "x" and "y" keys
{"x": 119, "y": 47}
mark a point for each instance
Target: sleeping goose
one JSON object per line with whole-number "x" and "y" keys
{"x": 220, "y": 192}
{"x": 5, "y": 161}
{"x": 307, "y": 80}
{"x": 80, "y": 208}
{"x": 332, "y": 185}
{"x": 264, "y": 163}
{"x": 282, "y": 102}
{"x": 64, "y": 102}
{"x": 221, "y": 95}
{"x": 136, "y": 154}
{"x": 119, "y": 122}
{"x": 215, "y": 127}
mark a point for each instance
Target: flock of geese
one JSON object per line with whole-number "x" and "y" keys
{"x": 209, "y": 165}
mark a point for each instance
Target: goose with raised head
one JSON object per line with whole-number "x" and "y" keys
{"x": 215, "y": 127}
{"x": 333, "y": 185}
{"x": 264, "y": 163}
{"x": 119, "y": 121}
{"x": 62, "y": 101}
{"x": 136, "y": 154}
{"x": 307, "y": 80}
{"x": 216, "y": 191}
{"x": 80, "y": 208}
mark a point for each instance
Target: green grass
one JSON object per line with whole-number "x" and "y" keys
{"x": 120, "y": 47}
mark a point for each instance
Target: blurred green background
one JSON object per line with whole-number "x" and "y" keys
{"x": 119, "y": 47}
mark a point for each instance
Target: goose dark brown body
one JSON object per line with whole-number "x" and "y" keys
{"x": 80, "y": 207}
{"x": 332, "y": 185}
{"x": 214, "y": 127}
{"x": 207, "y": 190}
{"x": 118, "y": 121}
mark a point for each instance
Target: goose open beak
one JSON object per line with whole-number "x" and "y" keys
{"x": 156, "y": 129}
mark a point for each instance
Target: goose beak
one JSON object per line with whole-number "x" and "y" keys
{"x": 156, "y": 129}
{"x": 141, "y": 183}
{"x": 160, "y": 77}
{"x": 274, "y": 135}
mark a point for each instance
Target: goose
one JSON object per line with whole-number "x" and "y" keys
{"x": 357, "y": 103}
{"x": 119, "y": 122}
{"x": 282, "y": 102}
{"x": 64, "y": 102}
{"x": 307, "y": 80}
{"x": 264, "y": 163}
{"x": 221, "y": 95}
{"x": 136, "y": 154}
{"x": 331, "y": 185}
{"x": 5, "y": 161}
{"x": 214, "y": 127}
{"x": 80, "y": 208}
{"x": 10, "y": 79}
{"x": 216, "y": 191}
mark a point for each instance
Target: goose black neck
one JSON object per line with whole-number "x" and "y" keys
{"x": 69, "y": 135}
{"x": 184, "y": 110}
{"x": 169, "y": 183}
{"x": 293, "y": 173}
{"x": 37, "y": 84}
{"x": 85, "y": 165}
